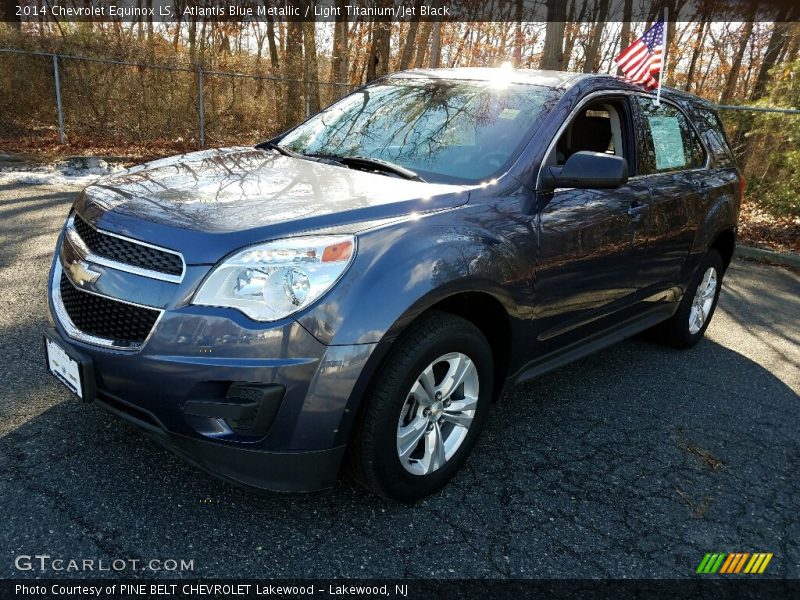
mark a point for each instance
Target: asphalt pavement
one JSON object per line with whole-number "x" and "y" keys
{"x": 634, "y": 462}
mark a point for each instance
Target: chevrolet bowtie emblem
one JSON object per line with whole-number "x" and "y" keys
{"x": 82, "y": 273}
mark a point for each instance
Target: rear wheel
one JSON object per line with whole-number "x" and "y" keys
{"x": 427, "y": 407}
{"x": 689, "y": 323}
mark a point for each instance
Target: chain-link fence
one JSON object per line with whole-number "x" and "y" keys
{"x": 50, "y": 99}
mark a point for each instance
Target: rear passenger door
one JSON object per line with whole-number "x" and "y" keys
{"x": 672, "y": 162}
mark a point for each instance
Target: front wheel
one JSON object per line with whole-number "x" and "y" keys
{"x": 690, "y": 321}
{"x": 427, "y": 407}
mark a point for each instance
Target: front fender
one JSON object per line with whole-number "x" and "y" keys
{"x": 401, "y": 271}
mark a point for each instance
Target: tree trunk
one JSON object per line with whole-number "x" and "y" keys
{"x": 293, "y": 72}
{"x": 176, "y": 38}
{"x": 410, "y": 44}
{"x": 149, "y": 24}
{"x": 203, "y": 41}
{"x": 340, "y": 49}
{"x": 312, "y": 68}
{"x": 379, "y": 53}
{"x": 794, "y": 46}
{"x": 574, "y": 29}
{"x": 553, "y": 54}
{"x": 274, "y": 59}
{"x": 192, "y": 40}
{"x": 422, "y": 46}
{"x": 776, "y": 41}
{"x": 518, "y": 38}
{"x": 590, "y": 66}
{"x": 625, "y": 33}
{"x": 733, "y": 75}
{"x": 436, "y": 45}
{"x": 696, "y": 50}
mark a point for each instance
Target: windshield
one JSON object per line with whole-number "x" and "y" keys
{"x": 446, "y": 131}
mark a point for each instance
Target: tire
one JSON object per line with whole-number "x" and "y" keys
{"x": 400, "y": 404}
{"x": 683, "y": 330}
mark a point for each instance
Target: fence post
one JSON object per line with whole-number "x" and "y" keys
{"x": 57, "y": 80}
{"x": 201, "y": 109}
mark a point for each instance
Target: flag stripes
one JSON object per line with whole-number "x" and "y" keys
{"x": 642, "y": 60}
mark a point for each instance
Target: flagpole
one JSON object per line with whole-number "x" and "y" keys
{"x": 663, "y": 58}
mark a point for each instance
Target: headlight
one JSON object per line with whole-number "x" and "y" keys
{"x": 274, "y": 280}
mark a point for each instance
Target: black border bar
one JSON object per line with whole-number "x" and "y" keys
{"x": 171, "y": 11}
{"x": 700, "y": 587}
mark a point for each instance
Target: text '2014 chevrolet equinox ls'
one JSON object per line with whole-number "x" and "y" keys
{"x": 360, "y": 289}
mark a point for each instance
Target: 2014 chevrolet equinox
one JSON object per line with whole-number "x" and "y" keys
{"x": 361, "y": 288}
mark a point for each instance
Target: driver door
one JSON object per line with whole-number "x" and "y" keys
{"x": 586, "y": 270}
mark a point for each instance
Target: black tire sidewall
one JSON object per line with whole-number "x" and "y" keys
{"x": 393, "y": 478}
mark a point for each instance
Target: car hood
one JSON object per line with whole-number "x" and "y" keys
{"x": 209, "y": 203}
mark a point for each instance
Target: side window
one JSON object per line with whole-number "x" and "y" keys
{"x": 670, "y": 143}
{"x": 714, "y": 133}
{"x": 598, "y": 127}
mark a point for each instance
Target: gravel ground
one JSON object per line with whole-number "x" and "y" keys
{"x": 634, "y": 462}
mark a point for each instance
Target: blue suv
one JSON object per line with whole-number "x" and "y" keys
{"x": 359, "y": 290}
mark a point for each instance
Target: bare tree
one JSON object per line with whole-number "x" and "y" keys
{"x": 293, "y": 72}
{"x": 625, "y": 32}
{"x": 733, "y": 75}
{"x": 436, "y": 45}
{"x": 378, "y": 65}
{"x": 553, "y": 54}
{"x": 311, "y": 67}
{"x": 697, "y": 48}
{"x": 776, "y": 42}
{"x": 422, "y": 45}
{"x": 340, "y": 37}
{"x": 410, "y": 42}
{"x": 592, "y": 52}
{"x": 273, "y": 47}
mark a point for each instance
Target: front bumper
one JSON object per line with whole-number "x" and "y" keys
{"x": 195, "y": 354}
{"x": 249, "y": 467}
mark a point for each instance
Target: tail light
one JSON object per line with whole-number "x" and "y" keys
{"x": 742, "y": 188}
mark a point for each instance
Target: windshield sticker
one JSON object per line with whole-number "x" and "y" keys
{"x": 509, "y": 113}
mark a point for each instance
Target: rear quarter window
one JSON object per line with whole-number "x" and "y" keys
{"x": 710, "y": 127}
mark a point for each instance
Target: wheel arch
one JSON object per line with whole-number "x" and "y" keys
{"x": 485, "y": 310}
{"x": 725, "y": 244}
{"x": 489, "y": 315}
{"x": 717, "y": 230}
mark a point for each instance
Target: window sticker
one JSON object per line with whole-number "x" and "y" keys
{"x": 667, "y": 142}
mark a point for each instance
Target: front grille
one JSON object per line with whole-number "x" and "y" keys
{"x": 107, "y": 318}
{"x": 129, "y": 253}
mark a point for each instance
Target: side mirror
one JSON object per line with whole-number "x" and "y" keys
{"x": 587, "y": 170}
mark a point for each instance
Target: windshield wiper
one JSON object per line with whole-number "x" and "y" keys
{"x": 278, "y": 148}
{"x": 373, "y": 163}
{"x": 320, "y": 158}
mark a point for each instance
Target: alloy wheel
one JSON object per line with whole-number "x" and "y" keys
{"x": 703, "y": 300}
{"x": 437, "y": 413}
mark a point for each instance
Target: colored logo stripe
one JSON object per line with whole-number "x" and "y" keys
{"x": 711, "y": 563}
{"x": 758, "y": 563}
{"x": 715, "y": 562}
{"x": 734, "y": 562}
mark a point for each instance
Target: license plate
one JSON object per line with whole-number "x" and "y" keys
{"x": 68, "y": 367}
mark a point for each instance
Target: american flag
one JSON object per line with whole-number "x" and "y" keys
{"x": 642, "y": 59}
